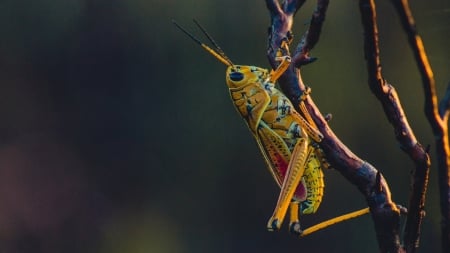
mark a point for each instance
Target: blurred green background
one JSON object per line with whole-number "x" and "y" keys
{"x": 117, "y": 133}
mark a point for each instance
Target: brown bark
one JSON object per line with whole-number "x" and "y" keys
{"x": 364, "y": 176}
{"x": 437, "y": 114}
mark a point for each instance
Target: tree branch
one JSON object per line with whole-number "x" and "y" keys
{"x": 444, "y": 105}
{"x": 437, "y": 115}
{"x": 292, "y": 6}
{"x": 280, "y": 29}
{"x": 363, "y": 175}
{"x": 415, "y": 41}
{"x": 390, "y": 101}
{"x": 311, "y": 37}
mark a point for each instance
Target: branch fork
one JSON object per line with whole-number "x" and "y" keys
{"x": 369, "y": 181}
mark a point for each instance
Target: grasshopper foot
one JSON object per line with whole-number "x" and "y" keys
{"x": 295, "y": 229}
{"x": 273, "y": 224}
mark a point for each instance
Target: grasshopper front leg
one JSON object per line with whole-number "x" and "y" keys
{"x": 296, "y": 169}
{"x": 284, "y": 58}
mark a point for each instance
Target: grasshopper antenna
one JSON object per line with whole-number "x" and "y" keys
{"x": 217, "y": 55}
{"x": 210, "y": 38}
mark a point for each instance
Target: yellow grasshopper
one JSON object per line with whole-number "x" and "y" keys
{"x": 286, "y": 139}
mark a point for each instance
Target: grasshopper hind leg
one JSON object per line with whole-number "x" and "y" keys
{"x": 293, "y": 177}
{"x": 294, "y": 223}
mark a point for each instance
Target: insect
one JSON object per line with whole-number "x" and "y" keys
{"x": 287, "y": 140}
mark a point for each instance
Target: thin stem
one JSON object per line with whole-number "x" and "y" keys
{"x": 437, "y": 115}
{"x": 311, "y": 37}
{"x": 415, "y": 41}
{"x": 393, "y": 109}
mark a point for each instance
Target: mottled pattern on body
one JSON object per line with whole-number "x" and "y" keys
{"x": 277, "y": 132}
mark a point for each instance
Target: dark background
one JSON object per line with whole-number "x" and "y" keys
{"x": 117, "y": 133}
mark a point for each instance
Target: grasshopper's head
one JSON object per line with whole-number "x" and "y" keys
{"x": 239, "y": 75}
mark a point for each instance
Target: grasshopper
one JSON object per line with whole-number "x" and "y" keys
{"x": 287, "y": 140}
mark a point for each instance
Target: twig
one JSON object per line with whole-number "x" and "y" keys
{"x": 360, "y": 173}
{"x": 311, "y": 37}
{"x": 436, "y": 115}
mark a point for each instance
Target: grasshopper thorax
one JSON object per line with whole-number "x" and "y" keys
{"x": 240, "y": 75}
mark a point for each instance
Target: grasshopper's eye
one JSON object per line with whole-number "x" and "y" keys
{"x": 236, "y": 76}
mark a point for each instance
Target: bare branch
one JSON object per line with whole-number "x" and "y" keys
{"x": 444, "y": 105}
{"x": 273, "y": 6}
{"x": 363, "y": 175}
{"x": 437, "y": 116}
{"x": 390, "y": 101}
{"x": 311, "y": 37}
{"x": 415, "y": 41}
{"x": 292, "y": 6}
{"x": 279, "y": 30}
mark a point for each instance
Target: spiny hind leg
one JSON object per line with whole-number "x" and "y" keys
{"x": 292, "y": 179}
